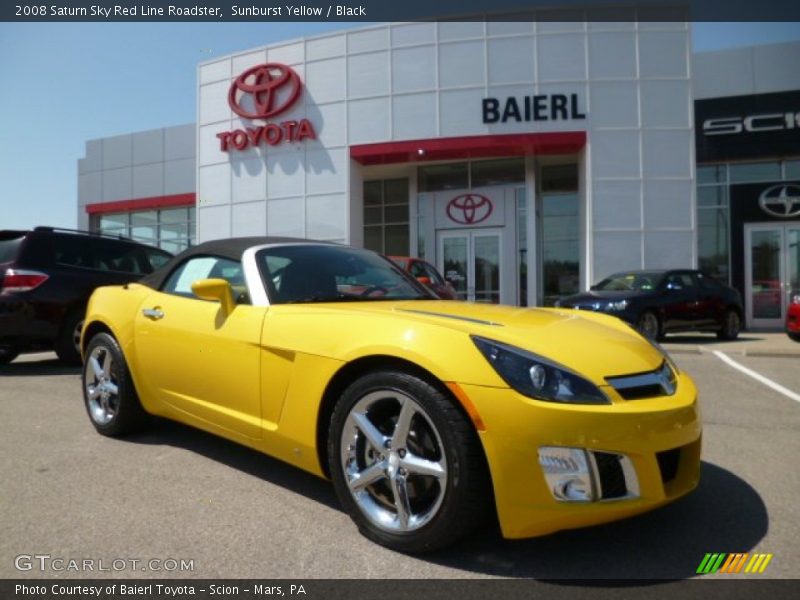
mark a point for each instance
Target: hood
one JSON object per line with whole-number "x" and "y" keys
{"x": 594, "y": 344}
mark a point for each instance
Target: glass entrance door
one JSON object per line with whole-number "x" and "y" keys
{"x": 772, "y": 271}
{"x": 470, "y": 261}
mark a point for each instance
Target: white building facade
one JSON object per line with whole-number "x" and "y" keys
{"x": 524, "y": 160}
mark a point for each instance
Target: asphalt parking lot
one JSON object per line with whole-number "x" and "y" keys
{"x": 177, "y": 493}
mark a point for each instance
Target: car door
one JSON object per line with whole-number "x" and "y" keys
{"x": 711, "y": 303}
{"x": 194, "y": 357}
{"x": 680, "y": 301}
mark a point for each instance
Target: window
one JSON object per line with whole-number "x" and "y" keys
{"x": 558, "y": 232}
{"x": 171, "y": 229}
{"x": 468, "y": 175}
{"x": 207, "y": 267}
{"x": 755, "y": 171}
{"x": 101, "y": 254}
{"x": 386, "y": 216}
{"x": 713, "y": 218}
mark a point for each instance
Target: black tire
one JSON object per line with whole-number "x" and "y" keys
{"x": 111, "y": 413}
{"x": 731, "y": 325}
{"x": 793, "y": 336}
{"x": 442, "y": 508}
{"x": 649, "y": 325}
{"x": 67, "y": 345}
{"x": 7, "y": 354}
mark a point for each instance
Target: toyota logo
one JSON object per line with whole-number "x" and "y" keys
{"x": 782, "y": 200}
{"x": 264, "y": 91}
{"x": 469, "y": 209}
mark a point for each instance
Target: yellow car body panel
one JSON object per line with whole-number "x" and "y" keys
{"x": 259, "y": 374}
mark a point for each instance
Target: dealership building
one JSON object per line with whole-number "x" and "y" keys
{"x": 524, "y": 160}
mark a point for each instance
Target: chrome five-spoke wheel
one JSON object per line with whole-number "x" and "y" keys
{"x": 394, "y": 461}
{"x": 108, "y": 390}
{"x": 102, "y": 393}
{"x": 406, "y": 462}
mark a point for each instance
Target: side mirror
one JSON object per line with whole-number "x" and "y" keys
{"x": 424, "y": 280}
{"x": 217, "y": 290}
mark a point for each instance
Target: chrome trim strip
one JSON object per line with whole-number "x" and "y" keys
{"x": 444, "y": 316}
{"x": 664, "y": 377}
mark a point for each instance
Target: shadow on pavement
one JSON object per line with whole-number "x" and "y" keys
{"x": 256, "y": 464}
{"x": 37, "y": 368}
{"x": 724, "y": 514}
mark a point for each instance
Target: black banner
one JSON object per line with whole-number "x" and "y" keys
{"x": 704, "y": 588}
{"x": 747, "y": 127}
{"x": 407, "y": 10}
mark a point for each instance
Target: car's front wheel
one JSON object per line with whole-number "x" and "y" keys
{"x": 793, "y": 336}
{"x": 406, "y": 463}
{"x": 731, "y": 325}
{"x": 68, "y": 344}
{"x": 649, "y": 325}
{"x": 108, "y": 390}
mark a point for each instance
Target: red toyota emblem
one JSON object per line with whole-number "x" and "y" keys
{"x": 469, "y": 209}
{"x": 266, "y": 90}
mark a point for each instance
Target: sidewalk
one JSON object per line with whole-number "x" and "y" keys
{"x": 749, "y": 343}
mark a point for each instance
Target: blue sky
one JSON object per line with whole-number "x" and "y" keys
{"x": 64, "y": 84}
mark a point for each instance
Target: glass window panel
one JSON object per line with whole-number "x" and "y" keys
{"x": 559, "y": 178}
{"x": 792, "y": 169}
{"x": 560, "y": 246}
{"x": 454, "y": 259}
{"x": 396, "y": 240}
{"x": 144, "y": 226}
{"x": 487, "y": 268}
{"x": 373, "y": 215}
{"x": 765, "y": 247}
{"x": 396, "y": 214}
{"x": 114, "y": 222}
{"x": 522, "y": 241}
{"x": 560, "y": 205}
{"x": 395, "y": 191}
{"x": 443, "y": 177}
{"x": 713, "y": 195}
{"x": 372, "y": 193}
{"x": 711, "y": 174}
{"x": 174, "y": 215}
{"x": 373, "y": 238}
{"x": 497, "y": 172}
{"x": 756, "y": 171}
{"x": 712, "y": 242}
{"x": 174, "y": 230}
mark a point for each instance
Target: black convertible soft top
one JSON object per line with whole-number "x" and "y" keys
{"x": 231, "y": 248}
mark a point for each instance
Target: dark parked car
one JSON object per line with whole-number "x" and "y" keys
{"x": 793, "y": 317}
{"x": 660, "y": 302}
{"x": 426, "y": 273}
{"x": 46, "y": 278}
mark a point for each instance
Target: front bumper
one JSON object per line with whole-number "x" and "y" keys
{"x": 643, "y": 430}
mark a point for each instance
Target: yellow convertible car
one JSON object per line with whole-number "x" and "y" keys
{"x": 426, "y": 415}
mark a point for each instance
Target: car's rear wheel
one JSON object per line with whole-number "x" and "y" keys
{"x": 68, "y": 344}
{"x": 7, "y": 354}
{"x": 108, "y": 390}
{"x": 731, "y": 325}
{"x": 793, "y": 336}
{"x": 406, "y": 463}
{"x": 649, "y": 325}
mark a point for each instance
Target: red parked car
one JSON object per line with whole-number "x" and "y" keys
{"x": 793, "y": 317}
{"x": 426, "y": 273}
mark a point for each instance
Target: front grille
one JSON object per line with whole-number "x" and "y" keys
{"x": 660, "y": 382}
{"x": 611, "y": 475}
{"x": 668, "y": 464}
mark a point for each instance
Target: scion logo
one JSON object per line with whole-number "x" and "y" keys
{"x": 752, "y": 123}
{"x": 271, "y": 89}
{"x": 469, "y": 209}
{"x": 263, "y": 92}
{"x": 781, "y": 200}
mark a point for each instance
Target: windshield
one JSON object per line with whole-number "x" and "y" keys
{"x": 642, "y": 281}
{"x": 322, "y": 273}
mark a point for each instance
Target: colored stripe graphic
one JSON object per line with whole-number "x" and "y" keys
{"x": 721, "y": 562}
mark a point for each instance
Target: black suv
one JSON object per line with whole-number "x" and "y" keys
{"x": 46, "y": 278}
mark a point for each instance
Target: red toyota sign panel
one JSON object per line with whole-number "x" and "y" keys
{"x": 263, "y": 92}
{"x": 469, "y": 209}
{"x": 266, "y": 90}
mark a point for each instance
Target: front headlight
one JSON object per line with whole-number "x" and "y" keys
{"x": 617, "y": 306}
{"x": 538, "y": 377}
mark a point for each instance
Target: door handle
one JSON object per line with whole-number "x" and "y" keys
{"x": 153, "y": 313}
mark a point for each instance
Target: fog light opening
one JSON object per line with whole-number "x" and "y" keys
{"x": 567, "y": 473}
